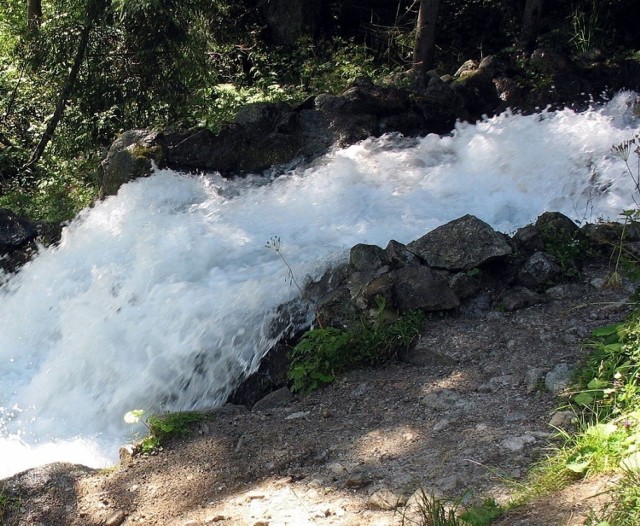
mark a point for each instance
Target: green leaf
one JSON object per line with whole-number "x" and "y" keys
{"x": 578, "y": 466}
{"x": 607, "y": 330}
{"x": 596, "y": 383}
{"x": 583, "y": 399}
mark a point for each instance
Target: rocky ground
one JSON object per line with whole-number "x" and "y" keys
{"x": 463, "y": 416}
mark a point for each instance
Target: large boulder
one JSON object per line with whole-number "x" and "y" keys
{"x": 462, "y": 244}
{"x": 17, "y": 236}
{"x": 131, "y": 156}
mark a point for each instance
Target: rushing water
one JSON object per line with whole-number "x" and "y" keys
{"x": 159, "y": 297}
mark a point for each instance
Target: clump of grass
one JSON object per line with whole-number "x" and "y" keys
{"x": 8, "y": 505}
{"x": 429, "y": 510}
{"x": 163, "y": 427}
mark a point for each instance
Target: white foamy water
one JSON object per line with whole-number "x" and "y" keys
{"x": 159, "y": 297}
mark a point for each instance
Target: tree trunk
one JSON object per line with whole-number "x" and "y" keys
{"x": 530, "y": 23}
{"x": 93, "y": 11}
{"x": 34, "y": 14}
{"x": 424, "y": 45}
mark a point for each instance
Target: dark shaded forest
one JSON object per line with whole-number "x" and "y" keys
{"x": 76, "y": 73}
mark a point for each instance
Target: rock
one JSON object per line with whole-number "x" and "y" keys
{"x": 296, "y": 415}
{"x": 479, "y": 93}
{"x": 517, "y": 443}
{"x": 466, "y": 284}
{"x": 528, "y": 239}
{"x": 539, "y": 270}
{"x": 277, "y": 398}
{"x": 397, "y": 255}
{"x": 419, "y": 288}
{"x": 562, "y": 419}
{"x": 116, "y": 518}
{"x": 462, "y": 244}
{"x": 532, "y": 378}
{"x": 558, "y": 378}
{"x": 443, "y": 400}
{"x": 130, "y": 156}
{"x": 17, "y": 235}
{"x": 366, "y": 258}
{"x": 385, "y": 499}
{"x": 270, "y": 376}
{"x": 518, "y": 298}
{"x": 15, "y": 231}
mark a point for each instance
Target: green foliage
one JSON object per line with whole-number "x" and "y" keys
{"x": 163, "y": 427}
{"x": 429, "y": 510}
{"x": 322, "y": 353}
{"x": 569, "y": 249}
{"x": 482, "y": 514}
{"x": 8, "y": 505}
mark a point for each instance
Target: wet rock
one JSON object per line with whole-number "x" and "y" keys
{"x": 129, "y": 157}
{"x": 366, "y": 258}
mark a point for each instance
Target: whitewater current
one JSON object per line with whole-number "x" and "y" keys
{"x": 160, "y": 297}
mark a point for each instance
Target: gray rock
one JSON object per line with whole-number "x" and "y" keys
{"x": 462, "y": 244}
{"x": 517, "y": 443}
{"x": 558, "y": 378}
{"x": 277, "y": 398}
{"x": 130, "y": 156}
{"x": 518, "y": 298}
{"x": 366, "y": 258}
{"x": 540, "y": 269}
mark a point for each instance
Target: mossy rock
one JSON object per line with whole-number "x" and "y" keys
{"x": 131, "y": 156}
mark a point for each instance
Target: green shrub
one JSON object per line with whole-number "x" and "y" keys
{"x": 322, "y": 353}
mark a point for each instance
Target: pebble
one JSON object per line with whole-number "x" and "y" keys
{"x": 299, "y": 414}
{"x": 116, "y": 518}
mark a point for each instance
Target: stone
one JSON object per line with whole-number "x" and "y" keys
{"x": 366, "y": 258}
{"x": 562, "y": 419}
{"x": 15, "y": 231}
{"x": 130, "y": 156}
{"x": 539, "y": 270}
{"x": 277, "y": 398}
{"x": 462, "y": 244}
{"x": 385, "y": 499}
{"x": 517, "y": 443}
{"x": 518, "y": 298}
{"x": 532, "y": 378}
{"x": 466, "y": 284}
{"x": 558, "y": 378}
{"x": 443, "y": 400}
{"x": 116, "y": 518}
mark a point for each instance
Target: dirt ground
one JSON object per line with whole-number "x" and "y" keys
{"x": 465, "y": 419}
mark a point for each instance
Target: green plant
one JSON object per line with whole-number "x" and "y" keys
{"x": 324, "y": 352}
{"x": 163, "y": 427}
{"x": 620, "y": 253}
{"x": 482, "y": 514}
{"x": 429, "y": 510}
{"x": 8, "y": 505}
